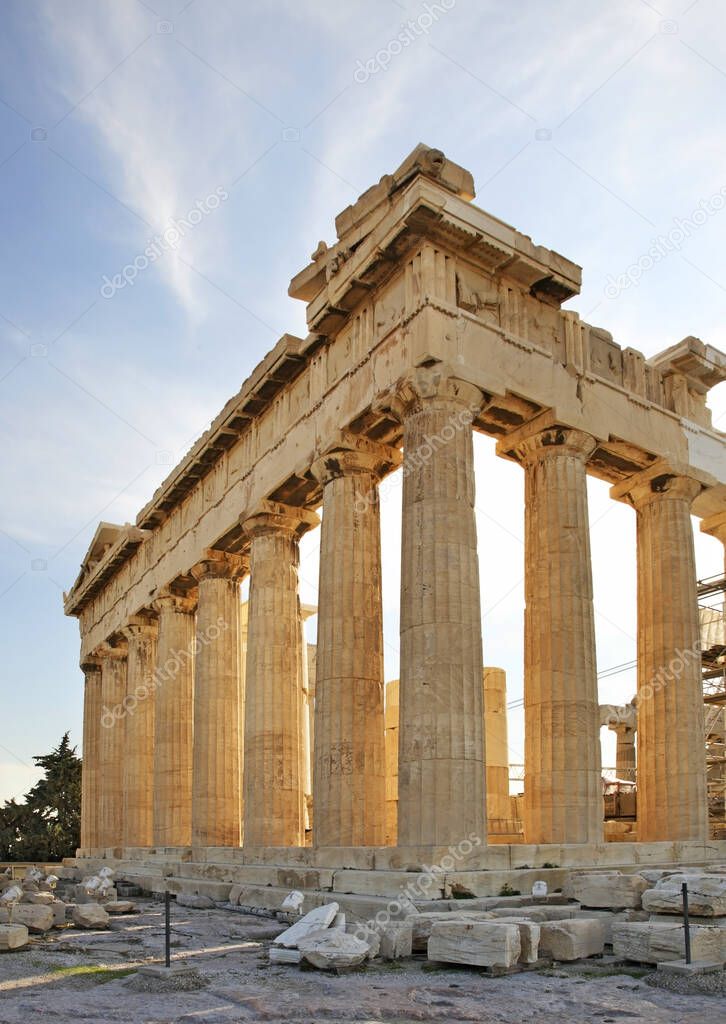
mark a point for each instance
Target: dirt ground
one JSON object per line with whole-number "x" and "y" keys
{"x": 72, "y": 975}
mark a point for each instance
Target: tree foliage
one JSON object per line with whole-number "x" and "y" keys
{"x": 46, "y": 826}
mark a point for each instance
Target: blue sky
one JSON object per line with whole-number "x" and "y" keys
{"x": 588, "y": 125}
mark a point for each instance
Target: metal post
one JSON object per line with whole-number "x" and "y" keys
{"x": 686, "y": 929}
{"x": 167, "y": 924}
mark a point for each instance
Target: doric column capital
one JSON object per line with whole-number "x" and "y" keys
{"x": 715, "y": 526}
{"x": 166, "y": 599}
{"x": 424, "y": 384}
{"x": 275, "y": 517}
{"x": 140, "y": 627}
{"x": 352, "y": 455}
{"x": 660, "y": 481}
{"x": 218, "y": 565}
{"x": 91, "y": 664}
{"x": 544, "y": 438}
{"x": 118, "y": 652}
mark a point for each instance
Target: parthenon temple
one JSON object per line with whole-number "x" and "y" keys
{"x": 212, "y": 739}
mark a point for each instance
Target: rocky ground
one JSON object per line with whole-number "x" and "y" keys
{"x": 73, "y": 975}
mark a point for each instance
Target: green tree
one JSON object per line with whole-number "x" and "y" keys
{"x": 47, "y": 825}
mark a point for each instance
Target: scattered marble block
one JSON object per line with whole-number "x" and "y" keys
{"x": 193, "y": 901}
{"x": 90, "y": 915}
{"x": 529, "y": 935}
{"x": 58, "y": 908}
{"x": 314, "y": 920}
{"x": 332, "y": 949}
{"x": 706, "y": 895}
{"x": 550, "y": 913}
{"x": 651, "y": 943}
{"x": 606, "y": 889}
{"x": 36, "y": 919}
{"x": 367, "y": 934}
{"x": 423, "y": 923}
{"x": 293, "y": 901}
{"x": 481, "y": 943}
{"x": 41, "y": 899}
{"x": 572, "y": 940}
{"x": 397, "y": 940}
{"x": 119, "y": 907}
{"x": 280, "y": 955}
{"x": 13, "y": 936}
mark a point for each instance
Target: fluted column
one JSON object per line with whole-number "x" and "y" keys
{"x": 496, "y": 737}
{"x": 563, "y": 800}
{"x": 624, "y": 752}
{"x": 349, "y": 759}
{"x": 92, "y": 702}
{"x": 173, "y": 748}
{"x": 138, "y": 794}
{"x": 112, "y": 744}
{"x": 273, "y": 777}
{"x": 441, "y": 788}
{"x": 670, "y": 741}
{"x": 217, "y": 747}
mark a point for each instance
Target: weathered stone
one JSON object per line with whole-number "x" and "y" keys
{"x": 119, "y": 907}
{"x": 59, "y": 913}
{"x": 294, "y": 901}
{"x": 13, "y": 936}
{"x": 483, "y": 943}
{"x": 706, "y": 895}
{"x": 422, "y": 923}
{"x": 41, "y": 899}
{"x": 313, "y": 921}
{"x": 651, "y": 943}
{"x": 606, "y": 889}
{"x": 36, "y": 919}
{"x": 396, "y": 940}
{"x": 280, "y": 955}
{"x": 572, "y": 940}
{"x": 332, "y": 949}
{"x": 195, "y": 901}
{"x": 90, "y": 915}
{"x": 529, "y": 933}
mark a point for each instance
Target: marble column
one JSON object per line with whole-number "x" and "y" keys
{"x": 624, "y": 752}
{"x": 217, "y": 747}
{"x": 273, "y": 775}
{"x": 441, "y": 781}
{"x": 138, "y": 774}
{"x": 391, "y": 741}
{"x": 349, "y": 757}
{"x": 563, "y": 801}
{"x": 670, "y": 741}
{"x": 173, "y": 748}
{"x": 496, "y": 737}
{"x": 112, "y": 745}
{"x": 91, "y": 668}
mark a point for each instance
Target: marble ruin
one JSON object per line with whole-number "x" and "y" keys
{"x": 206, "y": 738}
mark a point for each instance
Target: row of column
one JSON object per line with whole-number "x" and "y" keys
{"x": 169, "y": 772}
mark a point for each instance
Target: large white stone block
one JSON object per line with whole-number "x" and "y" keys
{"x": 706, "y": 895}
{"x": 482, "y": 943}
{"x": 13, "y": 936}
{"x": 332, "y": 949}
{"x": 90, "y": 915}
{"x": 423, "y": 922}
{"x": 606, "y": 889}
{"x": 652, "y": 943}
{"x": 314, "y": 920}
{"x": 36, "y": 919}
{"x": 572, "y": 940}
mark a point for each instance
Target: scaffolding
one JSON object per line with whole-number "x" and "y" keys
{"x": 711, "y": 596}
